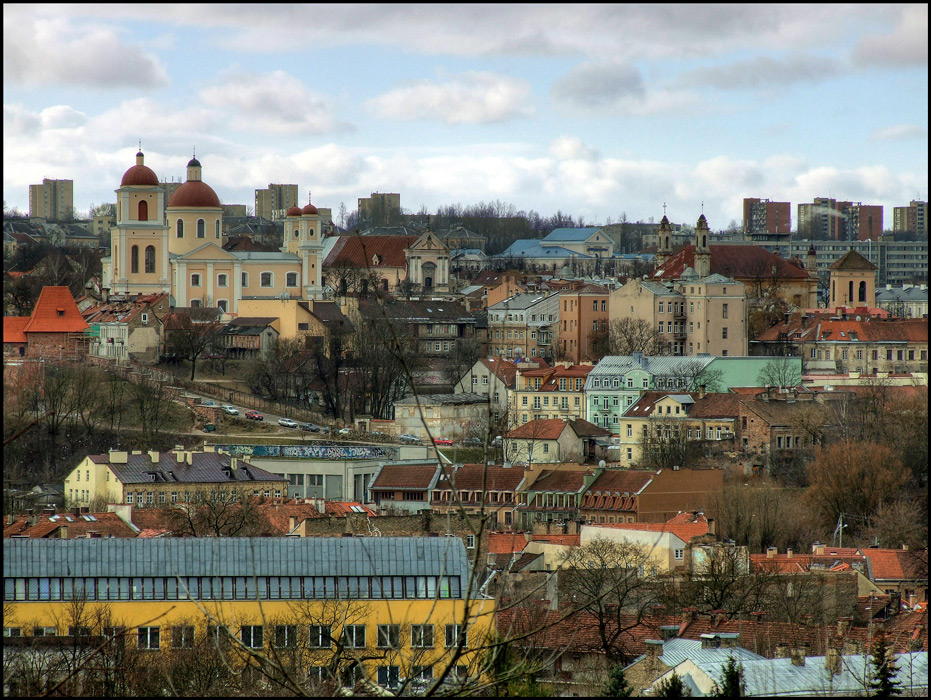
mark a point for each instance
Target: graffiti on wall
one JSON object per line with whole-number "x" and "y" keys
{"x": 312, "y": 451}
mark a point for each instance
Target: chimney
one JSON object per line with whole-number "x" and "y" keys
{"x": 789, "y": 553}
{"x": 669, "y": 631}
{"x": 717, "y": 617}
{"x": 757, "y": 616}
{"x": 63, "y": 532}
{"x": 797, "y": 654}
{"x": 832, "y": 661}
{"x": 771, "y": 552}
{"x": 234, "y": 463}
{"x": 321, "y": 505}
{"x": 730, "y": 640}
{"x": 817, "y": 548}
{"x": 904, "y": 547}
{"x": 712, "y": 527}
{"x": 710, "y": 641}
{"x": 688, "y": 615}
{"x": 701, "y": 391}
{"x": 654, "y": 650}
{"x": 189, "y": 458}
{"x": 119, "y": 457}
{"x": 154, "y": 456}
{"x": 843, "y": 625}
{"x": 9, "y": 518}
{"x": 292, "y": 523}
{"x": 781, "y": 651}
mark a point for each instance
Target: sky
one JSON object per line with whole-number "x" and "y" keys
{"x": 598, "y": 111}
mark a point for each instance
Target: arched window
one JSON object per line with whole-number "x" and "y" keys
{"x": 201, "y": 231}
{"x": 134, "y": 259}
{"x": 297, "y": 233}
{"x": 850, "y": 292}
{"x": 180, "y": 227}
{"x": 862, "y": 296}
{"x": 704, "y": 241}
{"x": 217, "y": 229}
{"x": 143, "y": 210}
{"x": 150, "y": 258}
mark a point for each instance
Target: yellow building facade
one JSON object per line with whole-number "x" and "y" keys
{"x": 394, "y": 608}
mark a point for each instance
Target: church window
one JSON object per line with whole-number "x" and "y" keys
{"x": 221, "y": 280}
{"x": 266, "y": 280}
{"x": 223, "y": 305}
{"x": 134, "y": 259}
{"x": 245, "y": 279}
{"x": 195, "y": 280}
{"x": 143, "y": 210}
{"x": 291, "y": 279}
{"x": 862, "y": 291}
{"x": 216, "y": 229}
{"x": 180, "y": 229}
{"x": 201, "y": 228}
{"x": 296, "y": 233}
{"x": 150, "y": 258}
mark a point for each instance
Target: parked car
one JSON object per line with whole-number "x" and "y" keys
{"x": 378, "y": 433}
{"x": 287, "y": 423}
{"x": 310, "y": 427}
{"x": 231, "y": 410}
{"x": 344, "y": 431}
{"x": 473, "y": 442}
{"x": 446, "y": 442}
{"x": 407, "y": 437}
{"x": 497, "y": 441}
{"x": 254, "y": 415}
{"x": 208, "y": 402}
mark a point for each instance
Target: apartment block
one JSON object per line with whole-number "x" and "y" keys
{"x": 762, "y": 216}
{"x": 380, "y": 209}
{"x": 911, "y": 219}
{"x": 53, "y": 200}
{"x": 523, "y": 325}
{"x": 583, "y": 315}
{"x": 830, "y": 219}
{"x": 273, "y": 203}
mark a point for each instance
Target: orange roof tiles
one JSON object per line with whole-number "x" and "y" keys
{"x": 13, "y": 329}
{"x": 684, "y": 531}
{"x": 370, "y": 251}
{"x": 539, "y": 429}
{"x": 566, "y": 540}
{"x": 506, "y": 542}
{"x": 897, "y": 564}
{"x": 105, "y": 524}
{"x": 471, "y": 477}
{"x": 405, "y": 476}
{"x": 55, "y": 312}
{"x": 737, "y": 261}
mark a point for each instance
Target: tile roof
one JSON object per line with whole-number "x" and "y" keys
{"x": 565, "y": 540}
{"x": 712, "y": 405}
{"x": 850, "y": 331}
{"x": 506, "y": 542}
{"x": 613, "y": 482}
{"x": 583, "y": 428}
{"x": 803, "y": 563}
{"x": 419, "y": 311}
{"x": 55, "y": 312}
{"x": 897, "y": 564}
{"x": 562, "y": 480}
{"x": 106, "y": 524}
{"x": 852, "y": 260}
{"x": 405, "y": 476}
{"x": 370, "y": 251}
{"x": 470, "y": 477}
{"x": 13, "y": 329}
{"x": 205, "y": 467}
{"x": 539, "y": 429}
{"x": 685, "y": 531}
{"x": 735, "y": 261}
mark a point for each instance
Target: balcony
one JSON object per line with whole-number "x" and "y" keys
{"x": 679, "y": 315}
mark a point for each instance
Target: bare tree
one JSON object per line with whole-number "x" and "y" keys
{"x": 189, "y": 338}
{"x": 782, "y": 372}
{"x": 664, "y": 446}
{"x": 220, "y": 513}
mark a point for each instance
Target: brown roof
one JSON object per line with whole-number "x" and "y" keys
{"x": 194, "y": 193}
{"x": 13, "y": 329}
{"x": 46, "y": 526}
{"x": 685, "y": 528}
{"x": 562, "y": 480}
{"x": 539, "y": 429}
{"x": 620, "y": 481}
{"x": 55, "y": 312}
{"x": 913, "y": 330}
{"x": 852, "y": 260}
{"x": 737, "y": 261}
{"x": 897, "y": 564}
{"x": 370, "y": 251}
{"x": 405, "y": 476}
{"x": 469, "y": 477}
{"x": 506, "y": 542}
{"x": 583, "y": 428}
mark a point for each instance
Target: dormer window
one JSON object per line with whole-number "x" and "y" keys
{"x": 60, "y": 311}
{"x": 376, "y": 259}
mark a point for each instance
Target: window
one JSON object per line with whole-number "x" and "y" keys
{"x": 661, "y": 307}
{"x": 12, "y": 631}
{"x": 422, "y": 673}
{"x": 266, "y": 279}
{"x": 422, "y": 636}
{"x": 319, "y": 636}
{"x": 45, "y": 632}
{"x": 245, "y": 279}
{"x": 216, "y": 228}
{"x": 724, "y": 334}
{"x": 182, "y": 637}
{"x": 221, "y": 280}
{"x": 286, "y": 636}
{"x": 150, "y": 258}
{"x": 354, "y": 636}
{"x": 251, "y": 636}
{"x": 143, "y": 210}
{"x": 201, "y": 230}
{"x": 148, "y": 638}
{"x": 179, "y": 227}
{"x": 134, "y": 259}
{"x": 195, "y": 280}
{"x": 724, "y": 311}
{"x": 291, "y": 279}
{"x": 389, "y": 636}
{"x": 389, "y": 676}
{"x": 453, "y": 634}
{"x": 223, "y": 305}
{"x": 679, "y": 553}
{"x": 219, "y": 634}
{"x": 470, "y": 541}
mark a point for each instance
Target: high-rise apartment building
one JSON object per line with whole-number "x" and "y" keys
{"x": 911, "y": 219}
{"x": 380, "y": 209}
{"x": 274, "y": 202}
{"x": 53, "y": 200}
{"x": 827, "y": 219}
{"x": 761, "y": 216}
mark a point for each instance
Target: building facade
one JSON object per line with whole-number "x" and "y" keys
{"x": 583, "y": 315}
{"x": 273, "y": 203}
{"x": 53, "y": 200}
{"x": 523, "y": 325}
{"x": 911, "y": 219}
{"x": 764, "y": 217}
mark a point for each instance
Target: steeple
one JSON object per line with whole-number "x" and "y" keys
{"x": 702, "y": 250}
{"x": 664, "y": 242}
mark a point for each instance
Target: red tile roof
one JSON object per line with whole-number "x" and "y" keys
{"x": 852, "y": 260}
{"x": 561, "y": 480}
{"x": 566, "y": 540}
{"x": 370, "y": 251}
{"x": 872, "y": 330}
{"x": 737, "y": 261}
{"x": 539, "y": 429}
{"x": 13, "y": 329}
{"x": 106, "y": 524}
{"x": 685, "y": 526}
{"x": 506, "y": 542}
{"x": 897, "y": 564}
{"x": 55, "y": 312}
{"x": 470, "y": 477}
{"x": 405, "y": 476}
{"x": 618, "y": 481}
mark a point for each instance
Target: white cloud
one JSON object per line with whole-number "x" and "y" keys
{"x": 906, "y": 44}
{"x": 53, "y": 51}
{"x": 274, "y": 102}
{"x": 899, "y": 132}
{"x": 471, "y": 98}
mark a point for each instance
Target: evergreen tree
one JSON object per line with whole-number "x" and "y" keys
{"x": 672, "y": 687}
{"x": 732, "y": 682}
{"x": 617, "y": 684}
{"x": 882, "y": 682}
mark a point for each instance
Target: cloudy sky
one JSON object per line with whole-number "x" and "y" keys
{"x": 591, "y": 110}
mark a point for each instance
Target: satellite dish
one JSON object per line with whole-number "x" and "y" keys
{"x": 601, "y": 463}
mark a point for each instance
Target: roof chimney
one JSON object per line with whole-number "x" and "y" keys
{"x": 818, "y": 548}
{"x": 797, "y": 654}
{"x": 781, "y": 651}
{"x": 292, "y": 523}
{"x": 717, "y": 617}
{"x": 843, "y": 625}
{"x": 321, "y": 505}
{"x": 789, "y": 553}
{"x": 154, "y": 456}
{"x": 63, "y": 532}
{"x": 654, "y": 650}
{"x": 832, "y": 661}
{"x": 771, "y": 552}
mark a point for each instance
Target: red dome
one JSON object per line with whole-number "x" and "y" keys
{"x": 194, "y": 193}
{"x": 294, "y": 211}
{"x": 139, "y": 175}
{"x": 309, "y": 209}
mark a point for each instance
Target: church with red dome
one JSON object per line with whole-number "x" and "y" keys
{"x": 176, "y": 247}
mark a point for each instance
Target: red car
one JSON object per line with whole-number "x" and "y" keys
{"x": 254, "y": 415}
{"x": 446, "y": 442}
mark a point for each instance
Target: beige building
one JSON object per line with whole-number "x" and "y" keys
{"x": 853, "y": 282}
{"x": 693, "y": 314}
{"x": 380, "y": 209}
{"x": 162, "y": 478}
{"x": 53, "y": 200}
{"x": 176, "y": 247}
{"x": 523, "y": 325}
{"x": 549, "y": 392}
{"x": 451, "y": 416}
{"x": 274, "y": 202}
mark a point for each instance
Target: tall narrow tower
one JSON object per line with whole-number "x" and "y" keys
{"x": 702, "y": 249}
